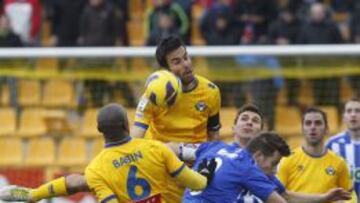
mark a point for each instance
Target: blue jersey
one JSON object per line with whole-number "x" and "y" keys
{"x": 247, "y": 197}
{"x": 236, "y": 173}
{"x": 350, "y": 151}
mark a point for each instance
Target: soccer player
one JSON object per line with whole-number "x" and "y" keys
{"x": 193, "y": 118}
{"x": 312, "y": 168}
{"x": 127, "y": 164}
{"x": 238, "y": 170}
{"x": 247, "y": 125}
{"x": 347, "y": 143}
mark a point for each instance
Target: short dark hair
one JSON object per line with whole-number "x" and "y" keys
{"x": 164, "y": 47}
{"x": 112, "y": 120}
{"x": 353, "y": 99}
{"x": 267, "y": 143}
{"x": 252, "y": 108}
{"x": 316, "y": 110}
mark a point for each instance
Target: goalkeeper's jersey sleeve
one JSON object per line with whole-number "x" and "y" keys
{"x": 191, "y": 117}
{"x": 136, "y": 170}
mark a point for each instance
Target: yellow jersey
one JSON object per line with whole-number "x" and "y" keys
{"x": 301, "y": 172}
{"x": 135, "y": 170}
{"x": 188, "y": 120}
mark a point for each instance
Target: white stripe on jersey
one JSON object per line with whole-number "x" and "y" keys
{"x": 336, "y": 148}
{"x": 349, "y": 154}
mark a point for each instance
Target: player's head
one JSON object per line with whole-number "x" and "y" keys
{"x": 351, "y": 114}
{"x": 172, "y": 55}
{"x": 314, "y": 126}
{"x": 248, "y": 122}
{"x": 112, "y": 122}
{"x": 267, "y": 150}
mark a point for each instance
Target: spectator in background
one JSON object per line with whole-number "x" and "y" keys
{"x": 218, "y": 17}
{"x": 186, "y": 5}
{"x": 65, "y": 19}
{"x": 121, "y": 7}
{"x": 355, "y": 24}
{"x": 165, "y": 27}
{"x": 355, "y": 38}
{"x": 253, "y": 17}
{"x": 283, "y": 31}
{"x": 300, "y": 8}
{"x": 223, "y": 31}
{"x": 99, "y": 24}
{"x": 174, "y": 10}
{"x": 9, "y": 39}
{"x": 25, "y": 19}
{"x": 321, "y": 30}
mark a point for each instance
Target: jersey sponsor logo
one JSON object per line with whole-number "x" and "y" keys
{"x": 355, "y": 174}
{"x": 152, "y": 199}
{"x": 330, "y": 171}
{"x": 231, "y": 155}
{"x": 201, "y": 106}
{"x": 130, "y": 158}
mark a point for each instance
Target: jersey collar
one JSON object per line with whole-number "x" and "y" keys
{"x": 315, "y": 156}
{"x": 117, "y": 143}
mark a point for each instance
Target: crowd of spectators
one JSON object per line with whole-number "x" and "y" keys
{"x": 222, "y": 22}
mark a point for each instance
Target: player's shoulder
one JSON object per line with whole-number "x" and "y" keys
{"x": 210, "y": 147}
{"x": 341, "y": 138}
{"x": 146, "y": 142}
{"x": 333, "y": 156}
{"x": 295, "y": 154}
{"x": 207, "y": 84}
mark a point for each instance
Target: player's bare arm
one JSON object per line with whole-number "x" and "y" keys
{"x": 336, "y": 194}
{"x": 275, "y": 198}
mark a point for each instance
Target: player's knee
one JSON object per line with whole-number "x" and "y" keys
{"x": 76, "y": 183}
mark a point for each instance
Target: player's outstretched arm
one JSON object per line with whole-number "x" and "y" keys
{"x": 62, "y": 186}
{"x": 200, "y": 179}
{"x": 335, "y": 194}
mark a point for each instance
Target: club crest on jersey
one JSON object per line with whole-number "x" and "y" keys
{"x": 330, "y": 171}
{"x": 201, "y": 106}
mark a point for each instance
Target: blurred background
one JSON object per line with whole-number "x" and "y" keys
{"x": 48, "y": 104}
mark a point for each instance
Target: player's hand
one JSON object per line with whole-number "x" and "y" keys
{"x": 207, "y": 169}
{"x": 14, "y": 193}
{"x": 337, "y": 194}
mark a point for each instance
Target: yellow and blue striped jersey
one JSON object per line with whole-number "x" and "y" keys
{"x": 130, "y": 171}
{"x": 301, "y": 172}
{"x": 188, "y": 120}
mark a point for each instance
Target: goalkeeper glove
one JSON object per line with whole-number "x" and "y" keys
{"x": 207, "y": 169}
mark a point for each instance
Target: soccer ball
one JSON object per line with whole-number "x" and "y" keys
{"x": 162, "y": 88}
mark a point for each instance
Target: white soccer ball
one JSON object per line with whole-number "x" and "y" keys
{"x": 163, "y": 88}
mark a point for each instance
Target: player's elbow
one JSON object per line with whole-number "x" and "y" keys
{"x": 76, "y": 183}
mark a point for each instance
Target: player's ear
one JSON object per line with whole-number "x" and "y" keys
{"x": 258, "y": 156}
{"x": 99, "y": 129}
